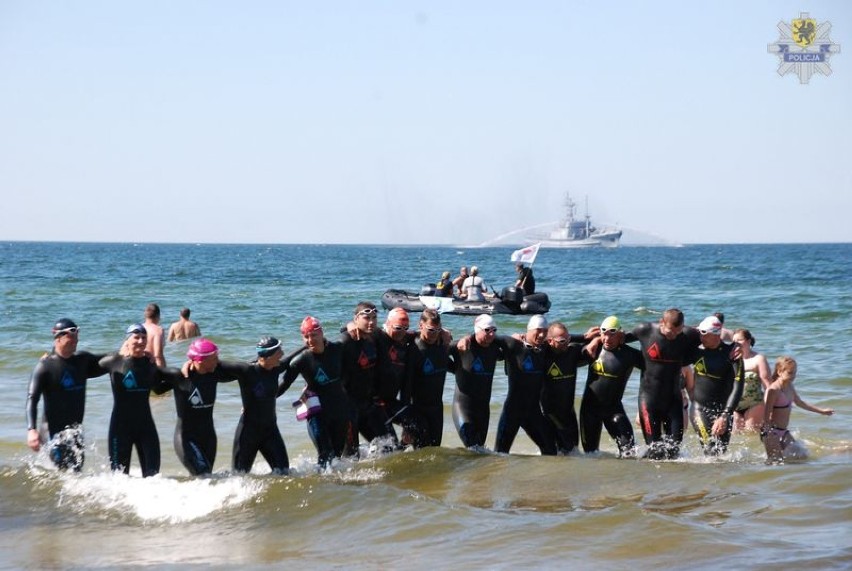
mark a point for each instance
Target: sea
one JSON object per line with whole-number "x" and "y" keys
{"x": 438, "y": 507}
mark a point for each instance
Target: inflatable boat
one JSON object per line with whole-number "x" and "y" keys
{"x": 511, "y": 301}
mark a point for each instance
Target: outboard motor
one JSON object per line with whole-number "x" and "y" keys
{"x": 428, "y": 289}
{"x": 512, "y": 296}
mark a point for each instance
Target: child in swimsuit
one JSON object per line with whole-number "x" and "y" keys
{"x": 779, "y": 397}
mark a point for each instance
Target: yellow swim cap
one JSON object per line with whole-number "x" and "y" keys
{"x": 611, "y": 322}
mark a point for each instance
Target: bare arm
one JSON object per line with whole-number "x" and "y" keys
{"x": 158, "y": 341}
{"x": 802, "y": 404}
{"x": 763, "y": 371}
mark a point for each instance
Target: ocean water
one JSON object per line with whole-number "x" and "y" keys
{"x": 435, "y": 507}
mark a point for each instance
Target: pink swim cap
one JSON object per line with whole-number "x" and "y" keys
{"x": 201, "y": 348}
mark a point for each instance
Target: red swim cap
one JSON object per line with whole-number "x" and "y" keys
{"x": 310, "y": 324}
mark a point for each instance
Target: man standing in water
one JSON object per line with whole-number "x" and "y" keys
{"x": 184, "y": 328}
{"x": 156, "y": 340}
{"x": 605, "y": 383}
{"x": 527, "y": 361}
{"x": 61, "y": 378}
{"x": 474, "y": 371}
{"x": 666, "y": 347}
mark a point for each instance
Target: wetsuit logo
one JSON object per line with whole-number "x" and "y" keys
{"x": 195, "y": 398}
{"x": 528, "y": 365}
{"x": 700, "y": 366}
{"x": 67, "y": 381}
{"x": 259, "y": 390}
{"x": 554, "y": 372}
{"x": 477, "y": 366}
{"x": 428, "y": 367}
{"x": 130, "y": 380}
{"x": 364, "y": 361}
{"x": 321, "y": 377}
{"x": 598, "y": 367}
{"x": 654, "y": 351}
{"x": 393, "y": 354}
{"x": 804, "y": 47}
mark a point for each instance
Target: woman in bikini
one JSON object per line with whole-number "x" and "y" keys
{"x": 780, "y": 395}
{"x": 758, "y": 377}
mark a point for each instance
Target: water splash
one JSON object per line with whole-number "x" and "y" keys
{"x": 159, "y": 498}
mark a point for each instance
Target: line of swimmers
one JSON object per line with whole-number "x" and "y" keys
{"x": 374, "y": 379}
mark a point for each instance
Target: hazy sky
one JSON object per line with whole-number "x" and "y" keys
{"x": 417, "y": 122}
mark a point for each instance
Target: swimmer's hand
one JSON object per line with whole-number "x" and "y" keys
{"x": 720, "y": 425}
{"x": 592, "y": 332}
{"x": 593, "y": 347}
{"x": 33, "y": 440}
{"x": 736, "y": 352}
{"x": 353, "y": 331}
{"x": 463, "y": 344}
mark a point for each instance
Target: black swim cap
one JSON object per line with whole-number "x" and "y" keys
{"x": 267, "y": 346}
{"x": 64, "y": 326}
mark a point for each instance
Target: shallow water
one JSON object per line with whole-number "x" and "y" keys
{"x": 434, "y": 507}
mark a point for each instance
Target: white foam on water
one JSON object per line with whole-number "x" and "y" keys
{"x": 158, "y": 498}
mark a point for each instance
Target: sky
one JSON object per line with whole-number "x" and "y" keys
{"x": 439, "y": 122}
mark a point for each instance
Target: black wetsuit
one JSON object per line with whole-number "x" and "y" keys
{"x": 557, "y": 395}
{"x": 131, "y": 424}
{"x": 424, "y": 391}
{"x": 195, "y": 438}
{"x": 474, "y": 371}
{"x": 360, "y": 358}
{"x": 333, "y": 431}
{"x": 257, "y": 430}
{"x": 391, "y": 374}
{"x": 660, "y": 399}
{"x": 62, "y": 382}
{"x": 525, "y": 368}
{"x": 718, "y": 388}
{"x": 602, "y": 405}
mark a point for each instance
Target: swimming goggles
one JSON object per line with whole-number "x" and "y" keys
{"x": 67, "y": 331}
{"x": 368, "y": 312}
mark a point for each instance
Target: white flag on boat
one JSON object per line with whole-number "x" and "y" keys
{"x": 526, "y": 255}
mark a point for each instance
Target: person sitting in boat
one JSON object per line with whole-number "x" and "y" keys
{"x": 526, "y": 279}
{"x": 444, "y": 287}
{"x": 458, "y": 281}
{"x": 474, "y": 288}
